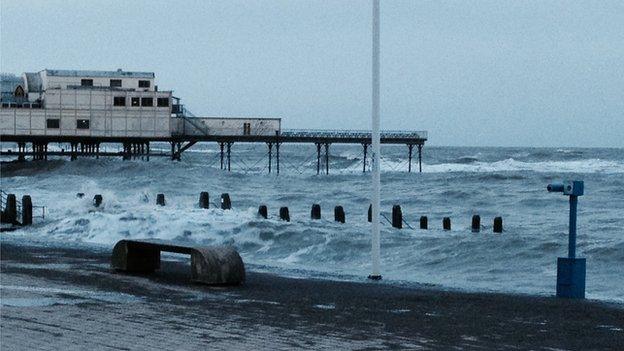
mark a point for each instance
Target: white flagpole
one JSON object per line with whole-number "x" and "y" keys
{"x": 375, "y": 274}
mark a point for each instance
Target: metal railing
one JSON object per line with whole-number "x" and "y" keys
{"x": 18, "y": 204}
{"x": 385, "y": 134}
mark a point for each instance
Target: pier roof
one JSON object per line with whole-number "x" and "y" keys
{"x": 102, "y": 74}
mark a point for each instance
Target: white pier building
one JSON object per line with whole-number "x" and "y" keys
{"x": 107, "y": 104}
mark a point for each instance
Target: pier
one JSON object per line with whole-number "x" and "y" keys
{"x": 36, "y": 146}
{"x": 85, "y": 109}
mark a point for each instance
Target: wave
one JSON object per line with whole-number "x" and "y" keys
{"x": 466, "y": 160}
{"x": 508, "y": 165}
{"x": 456, "y": 258}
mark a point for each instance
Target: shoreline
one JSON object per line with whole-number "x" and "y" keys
{"x": 66, "y": 296}
{"x": 301, "y": 273}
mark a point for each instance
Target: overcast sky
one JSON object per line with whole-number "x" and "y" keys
{"x": 495, "y": 73}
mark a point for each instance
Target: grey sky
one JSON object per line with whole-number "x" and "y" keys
{"x": 501, "y": 73}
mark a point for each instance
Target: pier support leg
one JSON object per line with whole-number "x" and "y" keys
{"x": 409, "y": 158}
{"x": 127, "y": 151}
{"x": 270, "y": 145}
{"x": 40, "y": 150}
{"x": 318, "y": 158}
{"x": 147, "y": 149}
{"x": 175, "y": 151}
{"x": 74, "y": 151}
{"x": 229, "y": 154}
{"x": 221, "y": 145}
{"x": 365, "y": 145}
{"x": 277, "y": 147}
{"x": 420, "y": 158}
{"x": 21, "y": 148}
{"x": 326, "y": 158}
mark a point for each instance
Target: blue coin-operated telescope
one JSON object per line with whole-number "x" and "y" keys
{"x": 570, "y": 270}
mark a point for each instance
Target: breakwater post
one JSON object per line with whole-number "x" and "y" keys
{"x": 284, "y": 215}
{"x": 10, "y": 211}
{"x": 226, "y": 204}
{"x": 424, "y": 222}
{"x": 316, "y": 211}
{"x": 397, "y": 217}
{"x": 476, "y": 223}
{"x": 263, "y": 211}
{"x": 498, "y": 225}
{"x": 97, "y": 200}
{"x": 446, "y": 223}
{"x": 339, "y": 214}
{"x": 27, "y": 210}
{"x": 160, "y": 199}
{"x": 204, "y": 200}
{"x": 571, "y": 270}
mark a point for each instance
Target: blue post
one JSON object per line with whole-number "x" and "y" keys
{"x": 572, "y": 236}
{"x": 571, "y": 271}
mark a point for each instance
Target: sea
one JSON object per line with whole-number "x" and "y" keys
{"x": 456, "y": 182}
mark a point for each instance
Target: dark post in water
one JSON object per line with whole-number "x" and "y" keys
{"x": 446, "y": 223}
{"x": 498, "y": 225}
{"x": 424, "y": 222}
{"x": 27, "y": 210}
{"x": 226, "y": 204}
{"x": 316, "y": 211}
{"x": 263, "y": 211}
{"x": 476, "y": 223}
{"x": 97, "y": 200}
{"x": 204, "y": 200}
{"x": 160, "y": 199}
{"x": 10, "y": 212}
{"x": 339, "y": 214}
{"x": 397, "y": 217}
{"x": 284, "y": 215}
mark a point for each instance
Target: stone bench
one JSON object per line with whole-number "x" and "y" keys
{"x": 209, "y": 265}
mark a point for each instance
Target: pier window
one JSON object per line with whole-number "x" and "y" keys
{"x": 135, "y": 101}
{"x": 119, "y": 101}
{"x": 53, "y": 123}
{"x": 82, "y": 124}
{"x": 144, "y": 84}
{"x": 115, "y": 83}
{"x": 147, "y": 101}
{"x": 86, "y": 82}
{"x": 162, "y": 102}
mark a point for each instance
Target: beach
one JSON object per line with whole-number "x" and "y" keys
{"x": 66, "y": 297}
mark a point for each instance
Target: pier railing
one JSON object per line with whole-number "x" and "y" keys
{"x": 321, "y": 133}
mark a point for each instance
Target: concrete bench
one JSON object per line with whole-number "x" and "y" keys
{"x": 209, "y": 265}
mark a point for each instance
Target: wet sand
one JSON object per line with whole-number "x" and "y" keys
{"x": 68, "y": 298}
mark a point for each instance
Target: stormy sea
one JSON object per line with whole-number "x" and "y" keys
{"x": 455, "y": 182}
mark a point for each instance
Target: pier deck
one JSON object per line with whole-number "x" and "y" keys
{"x": 136, "y": 146}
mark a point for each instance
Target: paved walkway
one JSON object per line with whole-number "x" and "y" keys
{"x": 54, "y": 298}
